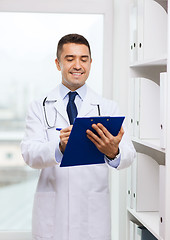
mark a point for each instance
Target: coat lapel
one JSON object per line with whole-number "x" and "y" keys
{"x": 58, "y": 104}
{"x": 61, "y": 109}
{"x": 89, "y": 105}
{"x": 86, "y": 108}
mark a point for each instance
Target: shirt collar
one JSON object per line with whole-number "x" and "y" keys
{"x": 81, "y": 91}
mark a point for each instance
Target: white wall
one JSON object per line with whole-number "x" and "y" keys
{"x": 120, "y": 94}
{"x": 120, "y": 53}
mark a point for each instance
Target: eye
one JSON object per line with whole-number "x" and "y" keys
{"x": 84, "y": 59}
{"x": 69, "y": 59}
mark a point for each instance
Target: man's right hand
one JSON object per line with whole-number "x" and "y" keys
{"x": 64, "y": 136}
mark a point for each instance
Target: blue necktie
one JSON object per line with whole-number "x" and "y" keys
{"x": 71, "y": 107}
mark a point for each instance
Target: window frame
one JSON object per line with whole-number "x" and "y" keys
{"x": 15, "y": 235}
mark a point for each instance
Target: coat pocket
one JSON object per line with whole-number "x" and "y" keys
{"x": 99, "y": 220}
{"x": 43, "y": 218}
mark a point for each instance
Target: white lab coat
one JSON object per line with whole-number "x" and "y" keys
{"x": 70, "y": 203}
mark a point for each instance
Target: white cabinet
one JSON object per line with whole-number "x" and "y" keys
{"x": 133, "y": 31}
{"x": 162, "y": 202}
{"x": 145, "y": 188}
{"x": 163, "y": 108}
{"x": 148, "y": 31}
{"x": 148, "y": 113}
{"x": 145, "y": 111}
{"x": 148, "y": 109}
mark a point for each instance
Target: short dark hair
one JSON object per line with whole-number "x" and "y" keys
{"x": 71, "y": 38}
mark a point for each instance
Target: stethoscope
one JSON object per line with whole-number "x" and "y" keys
{"x": 45, "y": 114}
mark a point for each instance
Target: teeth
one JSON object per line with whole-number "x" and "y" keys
{"x": 78, "y": 74}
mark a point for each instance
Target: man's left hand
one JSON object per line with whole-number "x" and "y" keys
{"x": 105, "y": 141}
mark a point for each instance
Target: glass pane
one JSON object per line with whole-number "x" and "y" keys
{"x": 27, "y": 71}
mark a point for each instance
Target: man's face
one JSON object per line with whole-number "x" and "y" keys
{"x": 74, "y": 64}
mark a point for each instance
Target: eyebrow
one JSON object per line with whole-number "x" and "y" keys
{"x": 83, "y": 56}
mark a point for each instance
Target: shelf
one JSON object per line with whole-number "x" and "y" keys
{"x": 149, "y": 69}
{"x": 163, "y": 3}
{"x": 150, "y": 62}
{"x": 150, "y": 148}
{"x": 148, "y": 219}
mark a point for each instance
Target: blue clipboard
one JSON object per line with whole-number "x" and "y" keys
{"x": 80, "y": 150}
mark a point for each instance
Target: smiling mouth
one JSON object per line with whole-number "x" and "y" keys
{"x": 77, "y": 73}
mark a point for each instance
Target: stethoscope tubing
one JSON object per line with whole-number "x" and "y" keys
{"x": 45, "y": 114}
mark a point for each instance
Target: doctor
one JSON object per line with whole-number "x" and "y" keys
{"x": 72, "y": 203}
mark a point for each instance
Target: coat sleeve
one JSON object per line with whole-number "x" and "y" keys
{"x": 127, "y": 151}
{"x": 37, "y": 150}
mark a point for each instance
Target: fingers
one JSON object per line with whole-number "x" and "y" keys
{"x": 105, "y": 141}
{"x": 66, "y": 130}
{"x": 102, "y": 132}
{"x": 103, "y": 137}
{"x": 64, "y": 136}
{"x": 93, "y": 137}
{"x": 121, "y": 133}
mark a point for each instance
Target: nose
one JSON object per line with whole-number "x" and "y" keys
{"x": 77, "y": 64}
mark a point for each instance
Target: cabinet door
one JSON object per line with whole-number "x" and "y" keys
{"x": 147, "y": 30}
{"x": 145, "y": 102}
{"x": 163, "y": 108}
{"x": 155, "y": 31}
{"x": 136, "y": 107}
{"x": 132, "y": 231}
{"x": 132, "y": 107}
{"x": 140, "y": 30}
{"x": 162, "y": 201}
{"x": 149, "y": 108}
{"x": 133, "y": 31}
{"x": 145, "y": 185}
{"x": 129, "y": 187}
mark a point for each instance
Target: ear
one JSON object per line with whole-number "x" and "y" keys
{"x": 57, "y": 64}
